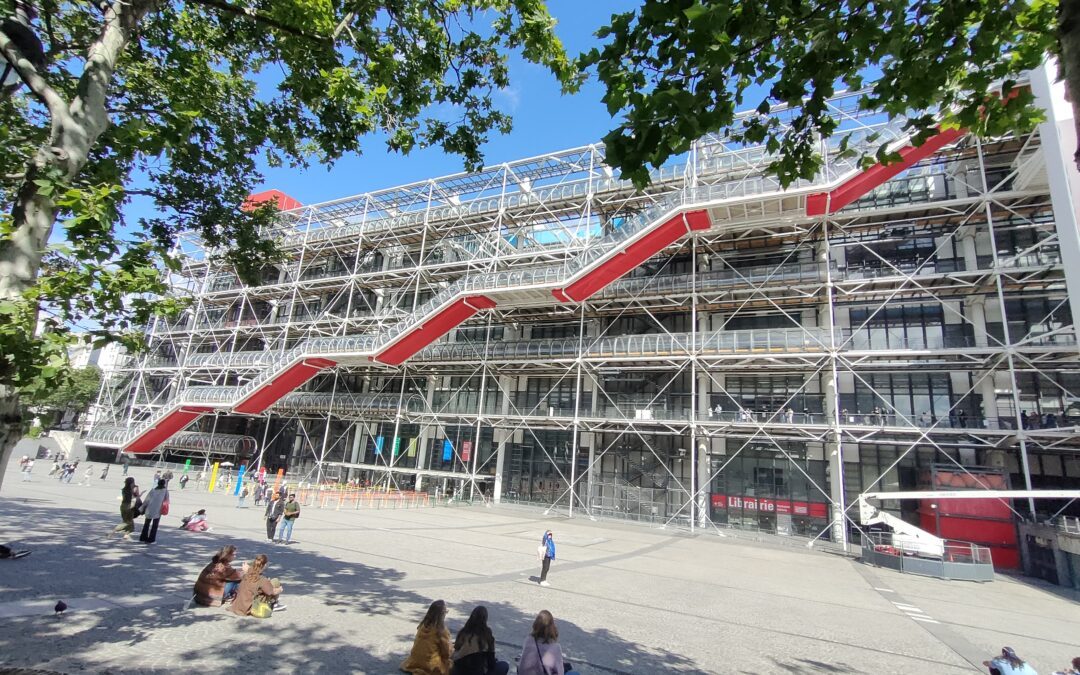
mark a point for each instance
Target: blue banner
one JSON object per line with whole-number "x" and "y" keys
{"x": 378, "y": 445}
{"x": 447, "y": 450}
{"x": 240, "y": 479}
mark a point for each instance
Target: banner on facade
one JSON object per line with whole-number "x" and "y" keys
{"x": 447, "y": 450}
{"x": 378, "y": 445}
{"x": 397, "y": 447}
{"x": 466, "y": 450}
{"x": 412, "y": 447}
{"x": 765, "y": 505}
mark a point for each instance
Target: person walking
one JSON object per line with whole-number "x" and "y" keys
{"x": 243, "y": 498}
{"x": 289, "y": 515}
{"x": 430, "y": 654}
{"x": 126, "y": 463}
{"x": 167, "y": 476}
{"x": 547, "y": 551}
{"x": 541, "y": 653}
{"x": 104, "y": 472}
{"x": 87, "y": 475}
{"x": 155, "y": 505}
{"x": 130, "y": 503}
{"x": 26, "y": 465}
{"x": 258, "y": 494}
{"x": 474, "y": 648}
{"x": 184, "y": 481}
{"x": 275, "y": 509}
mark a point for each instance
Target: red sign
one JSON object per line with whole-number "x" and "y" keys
{"x": 466, "y": 450}
{"x": 765, "y": 505}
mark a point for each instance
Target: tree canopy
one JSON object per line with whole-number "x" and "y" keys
{"x": 676, "y": 70}
{"x": 184, "y": 99}
{"x": 77, "y": 393}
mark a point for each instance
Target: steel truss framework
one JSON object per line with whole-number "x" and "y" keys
{"x": 925, "y": 322}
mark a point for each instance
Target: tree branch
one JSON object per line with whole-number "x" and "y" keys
{"x": 259, "y": 17}
{"x": 31, "y": 78}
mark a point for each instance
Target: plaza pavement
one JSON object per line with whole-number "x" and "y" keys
{"x": 628, "y": 599}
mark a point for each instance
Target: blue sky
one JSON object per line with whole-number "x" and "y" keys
{"x": 544, "y": 120}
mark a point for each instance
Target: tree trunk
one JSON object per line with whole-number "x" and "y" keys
{"x": 76, "y": 127}
{"x": 1069, "y": 64}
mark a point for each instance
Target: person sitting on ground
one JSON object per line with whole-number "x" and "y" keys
{"x": 541, "y": 654}
{"x": 256, "y": 595}
{"x": 196, "y": 522}
{"x": 474, "y": 648}
{"x": 1009, "y": 664}
{"x": 1074, "y": 670}
{"x": 430, "y": 653}
{"x": 218, "y": 581}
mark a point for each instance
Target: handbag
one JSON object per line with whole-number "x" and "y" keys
{"x": 260, "y": 608}
{"x": 541, "y": 551}
{"x": 165, "y": 507}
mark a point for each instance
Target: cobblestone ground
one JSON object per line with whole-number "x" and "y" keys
{"x": 628, "y": 599}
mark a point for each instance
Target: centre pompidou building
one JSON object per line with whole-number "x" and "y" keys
{"x": 714, "y": 350}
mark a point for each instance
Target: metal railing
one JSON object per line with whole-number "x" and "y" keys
{"x": 539, "y": 276}
{"x": 960, "y": 559}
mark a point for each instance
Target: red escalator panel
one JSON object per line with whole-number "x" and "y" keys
{"x": 433, "y": 329}
{"x": 150, "y": 439}
{"x": 823, "y": 203}
{"x": 288, "y": 380}
{"x": 636, "y": 253}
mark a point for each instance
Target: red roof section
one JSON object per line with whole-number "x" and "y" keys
{"x": 282, "y": 201}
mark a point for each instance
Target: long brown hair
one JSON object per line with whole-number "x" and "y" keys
{"x": 255, "y": 569}
{"x": 544, "y": 628}
{"x": 434, "y": 617}
{"x": 224, "y": 553}
{"x": 477, "y": 625}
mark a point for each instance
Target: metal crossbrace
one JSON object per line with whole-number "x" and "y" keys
{"x": 759, "y": 429}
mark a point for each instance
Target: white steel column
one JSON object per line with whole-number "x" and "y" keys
{"x": 1058, "y": 135}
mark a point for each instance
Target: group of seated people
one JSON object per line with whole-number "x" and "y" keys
{"x": 248, "y": 590}
{"x": 473, "y": 651}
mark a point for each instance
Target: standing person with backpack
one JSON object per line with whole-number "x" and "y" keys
{"x": 275, "y": 509}
{"x": 290, "y": 514}
{"x": 155, "y": 505}
{"x": 546, "y": 551}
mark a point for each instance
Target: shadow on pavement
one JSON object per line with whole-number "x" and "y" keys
{"x": 74, "y": 558}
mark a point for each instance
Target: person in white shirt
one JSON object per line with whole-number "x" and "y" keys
{"x": 153, "y": 505}
{"x": 1009, "y": 664}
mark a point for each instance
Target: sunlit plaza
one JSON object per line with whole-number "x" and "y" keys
{"x": 628, "y": 599}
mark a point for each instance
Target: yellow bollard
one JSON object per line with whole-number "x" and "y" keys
{"x": 213, "y": 477}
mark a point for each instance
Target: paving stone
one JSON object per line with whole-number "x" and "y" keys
{"x": 628, "y": 599}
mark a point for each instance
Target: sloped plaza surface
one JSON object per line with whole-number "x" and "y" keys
{"x": 628, "y": 599}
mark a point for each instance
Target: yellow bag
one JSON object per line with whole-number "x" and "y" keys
{"x": 260, "y": 608}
